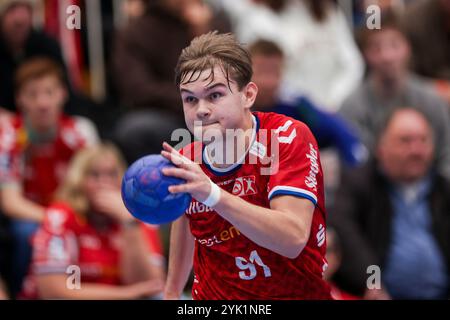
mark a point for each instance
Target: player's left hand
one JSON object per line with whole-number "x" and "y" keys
{"x": 197, "y": 182}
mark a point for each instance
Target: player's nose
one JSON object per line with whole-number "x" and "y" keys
{"x": 203, "y": 110}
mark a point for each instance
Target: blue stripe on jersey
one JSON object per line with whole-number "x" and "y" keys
{"x": 293, "y": 193}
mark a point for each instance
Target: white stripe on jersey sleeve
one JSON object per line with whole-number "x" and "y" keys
{"x": 294, "y": 191}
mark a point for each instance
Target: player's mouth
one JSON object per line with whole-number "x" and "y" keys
{"x": 205, "y": 125}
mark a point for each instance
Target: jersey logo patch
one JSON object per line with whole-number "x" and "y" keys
{"x": 320, "y": 236}
{"x": 258, "y": 149}
{"x": 285, "y": 128}
{"x": 311, "y": 179}
{"x": 244, "y": 186}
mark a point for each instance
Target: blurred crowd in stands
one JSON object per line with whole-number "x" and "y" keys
{"x": 376, "y": 99}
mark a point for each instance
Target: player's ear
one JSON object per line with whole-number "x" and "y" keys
{"x": 250, "y": 92}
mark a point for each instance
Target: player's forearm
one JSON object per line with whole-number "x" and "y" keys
{"x": 136, "y": 264}
{"x": 16, "y": 206}
{"x": 180, "y": 258}
{"x": 275, "y": 230}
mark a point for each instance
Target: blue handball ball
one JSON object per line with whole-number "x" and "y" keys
{"x": 145, "y": 191}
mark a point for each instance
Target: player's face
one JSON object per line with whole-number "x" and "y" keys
{"x": 387, "y": 53}
{"x": 406, "y": 149}
{"x": 103, "y": 173}
{"x": 41, "y": 101}
{"x": 214, "y": 106}
{"x": 267, "y": 73}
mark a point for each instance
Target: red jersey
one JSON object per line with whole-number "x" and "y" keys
{"x": 65, "y": 239}
{"x": 227, "y": 265}
{"x": 39, "y": 166}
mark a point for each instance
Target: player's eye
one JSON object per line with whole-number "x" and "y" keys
{"x": 190, "y": 99}
{"x": 215, "y": 95}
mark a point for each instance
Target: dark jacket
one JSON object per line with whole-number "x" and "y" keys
{"x": 362, "y": 216}
{"x": 145, "y": 56}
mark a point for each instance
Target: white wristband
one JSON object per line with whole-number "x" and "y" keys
{"x": 214, "y": 195}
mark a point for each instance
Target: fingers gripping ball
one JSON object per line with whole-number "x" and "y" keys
{"x": 145, "y": 191}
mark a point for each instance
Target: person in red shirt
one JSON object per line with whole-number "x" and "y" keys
{"x": 89, "y": 246}
{"x": 35, "y": 148}
{"x": 255, "y": 228}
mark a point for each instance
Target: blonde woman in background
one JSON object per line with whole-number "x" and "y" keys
{"x": 89, "y": 246}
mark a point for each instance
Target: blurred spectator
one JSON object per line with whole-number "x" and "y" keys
{"x": 329, "y": 129}
{"x": 361, "y": 14}
{"x": 35, "y": 148}
{"x": 427, "y": 24}
{"x": 145, "y": 56}
{"x": 134, "y": 8}
{"x": 334, "y": 260}
{"x": 395, "y": 213}
{"x": 147, "y": 51}
{"x": 89, "y": 227}
{"x": 390, "y": 85}
{"x": 18, "y": 42}
{"x": 321, "y": 55}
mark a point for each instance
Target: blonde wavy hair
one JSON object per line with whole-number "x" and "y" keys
{"x": 71, "y": 191}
